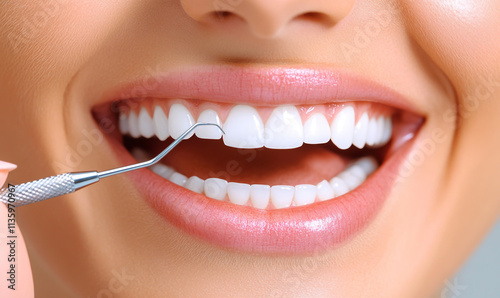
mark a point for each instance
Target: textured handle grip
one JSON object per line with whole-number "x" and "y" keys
{"x": 39, "y": 190}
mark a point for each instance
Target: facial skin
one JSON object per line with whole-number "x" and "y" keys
{"x": 59, "y": 57}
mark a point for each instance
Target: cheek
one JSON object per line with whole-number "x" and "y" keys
{"x": 53, "y": 39}
{"x": 458, "y": 34}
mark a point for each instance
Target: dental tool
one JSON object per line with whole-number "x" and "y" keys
{"x": 54, "y": 186}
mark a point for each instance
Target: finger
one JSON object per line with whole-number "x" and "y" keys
{"x": 17, "y": 280}
{"x": 5, "y": 168}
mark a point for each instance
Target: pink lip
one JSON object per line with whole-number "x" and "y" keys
{"x": 298, "y": 230}
{"x": 260, "y": 86}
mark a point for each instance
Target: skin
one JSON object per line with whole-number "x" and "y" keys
{"x": 58, "y": 57}
{"x": 15, "y": 262}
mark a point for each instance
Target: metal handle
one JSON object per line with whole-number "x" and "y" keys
{"x": 38, "y": 190}
{"x": 43, "y": 189}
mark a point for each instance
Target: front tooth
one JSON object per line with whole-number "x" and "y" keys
{"x": 339, "y": 186}
{"x": 325, "y": 191}
{"x": 284, "y": 128}
{"x": 145, "y": 124}
{"x": 179, "y": 120}
{"x": 282, "y": 196}
{"x": 133, "y": 125}
{"x": 209, "y": 132}
{"x": 178, "y": 179}
{"x": 259, "y": 195}
{"x": 316, "y": 130}
{"x": 372, "y": 132}
{"x": 361, "y": 131}
{"x": 123, "y": 124}
{"x": 162, "y": 170}
{"x": 243, "y": 128}
{"x": 238, "y": 193}
{"x": 215, "y": 188}
{"x": 343, "y": 128}
{"x": 195, "y": 184}
{"x": 160, "y": 123}
{"x": 304, "y": 194}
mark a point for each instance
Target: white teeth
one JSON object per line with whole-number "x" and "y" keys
{"x": 145, "y": 124}
{"x": 282, "y": 196}
{"x": 387, "y": 130}
{"x": 215, "y": 188}
{"x": 353, "y": 176}
{"x": 179, "y": 120}
{"x": 123, "y": 123}
{"x": 284, "y": 129}
{"x": 343, "y": 128}
{"x": 259, "y": 195}
{"x": 238, "y": 193}
{"x": 178, "y": 179}
{"x": 325, "y": 191}
{"x": 352, "y": 181}
{"x": 358, "y": 171}
{"x": 195, "y": 184}
{"x": 133, "y": 125}
{"x": 380, "y": 130}
{"x": 317, "y": 130}
{"x": 361, "y": 131}
{"x": 339, "y": 186}
{"x": 209, "y": 132}
{"x": 368, "y": 164}
{"x": 372, "y": 132}
{"x": 162, "y": 170}
{"x": 304, "y": 194}
{"x": 160, "y": 121}
{"x": 243, "y": 128}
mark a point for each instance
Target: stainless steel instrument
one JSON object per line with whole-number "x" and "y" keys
{"x": 54, "y": 186}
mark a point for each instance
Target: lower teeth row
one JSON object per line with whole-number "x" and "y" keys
{"x": 262, "y": 196}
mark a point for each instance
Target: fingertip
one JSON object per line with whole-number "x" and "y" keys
{"x": 7, "y": 166}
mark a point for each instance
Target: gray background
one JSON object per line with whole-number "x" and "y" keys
{"x": 479, "y": 277}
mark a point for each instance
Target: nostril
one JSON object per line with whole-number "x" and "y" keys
{"x": 266, "y": 18}
{"x": 317, "y": 17}
{"x": 222, "y": 14}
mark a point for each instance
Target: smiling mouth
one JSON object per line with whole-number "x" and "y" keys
{"x": 288, "y": 156}
{"x": 282, "y": 168}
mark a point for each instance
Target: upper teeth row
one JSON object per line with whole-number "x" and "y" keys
{"x": 244, "y": 127}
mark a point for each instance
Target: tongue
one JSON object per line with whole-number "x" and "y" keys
{"x": 309, "y": 164}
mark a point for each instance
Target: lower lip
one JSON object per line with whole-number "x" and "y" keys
{"x": 299, "y": 230}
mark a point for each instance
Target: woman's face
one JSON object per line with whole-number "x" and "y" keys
{"x": 82, "y": 81}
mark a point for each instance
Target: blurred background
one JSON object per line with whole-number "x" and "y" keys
{"x": 479, "y": 277}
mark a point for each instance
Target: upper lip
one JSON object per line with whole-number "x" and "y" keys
{"x": 260, "y": 86}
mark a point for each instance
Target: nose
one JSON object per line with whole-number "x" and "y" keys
{"x": 267, "y": 18}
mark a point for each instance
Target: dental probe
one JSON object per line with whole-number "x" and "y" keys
{"x": 54, "y": 186}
